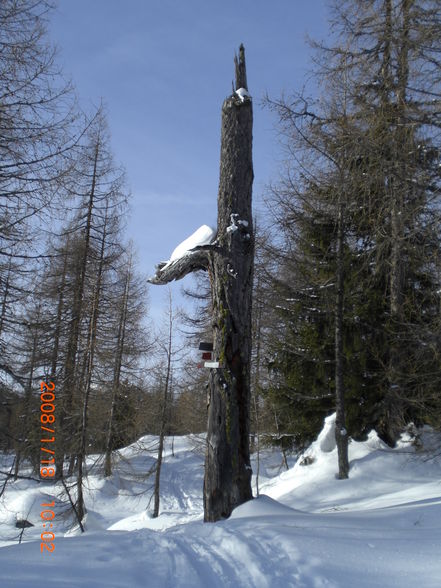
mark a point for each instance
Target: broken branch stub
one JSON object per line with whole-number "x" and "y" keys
{"x": 192, "y": 261}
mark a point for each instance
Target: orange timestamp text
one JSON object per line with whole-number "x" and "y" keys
{"x": 47, "y": 465}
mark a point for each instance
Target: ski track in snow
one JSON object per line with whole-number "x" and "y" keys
{"x": 381, "y": 528}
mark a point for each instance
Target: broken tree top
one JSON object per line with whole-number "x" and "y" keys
{"x": 241, "y": 72}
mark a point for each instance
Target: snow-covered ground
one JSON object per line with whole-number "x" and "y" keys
{"x": 381, "y": 528}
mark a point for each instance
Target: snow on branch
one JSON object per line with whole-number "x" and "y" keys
{"x": 189, "y": 256}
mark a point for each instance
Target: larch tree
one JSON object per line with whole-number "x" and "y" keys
{"x": 96, "y": 186}
{"x": 118, "y": 357}
{"x": 36, "y": 130}
{"x": 129, "y": 343}
{"x": 392, "y": 60}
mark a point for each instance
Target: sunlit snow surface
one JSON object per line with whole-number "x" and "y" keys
{"x": 381, "y": 528}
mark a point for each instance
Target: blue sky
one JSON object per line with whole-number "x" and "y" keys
{"x": 163, "y": 68}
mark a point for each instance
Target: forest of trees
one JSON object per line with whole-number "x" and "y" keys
{"x": 353, "y": 266}
{"x": 73, "y": 307}
{"x": 347, "y": 274}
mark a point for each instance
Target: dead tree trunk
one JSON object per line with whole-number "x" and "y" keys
{"x": 227, "y": 480}
{"x": 229, "y": 261}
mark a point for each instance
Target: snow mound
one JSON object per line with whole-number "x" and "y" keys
{"x": 379, "y": 477}
{"x": 262, "y": 507}
{"x": 381, "y": 527}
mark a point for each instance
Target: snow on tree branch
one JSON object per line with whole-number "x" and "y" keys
{"x": 189, "y": 256}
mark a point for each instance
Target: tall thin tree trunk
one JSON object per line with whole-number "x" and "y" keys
{"x": 5, "y": 297}
{"x": 280, "y": 439}
{"x": 229, "y": 261}
{"x": 396, "y": 186}
{"x": 227, "y": 481}
{"x": 117, "y": 371}
{"x": 81, "y": 457}
{"x": 57, "y": 333}
{"x": 257, "y": 389}
{"x": 341, "y": 434}
{"x": 257, "y": 416}
{"x": 24, "y": 423}
{"x": 164, "y": 411}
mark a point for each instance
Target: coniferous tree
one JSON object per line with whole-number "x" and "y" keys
{"x": 374, "y": 139}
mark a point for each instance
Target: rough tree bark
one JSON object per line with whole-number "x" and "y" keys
{"x": 229, "y": 262}
{"x": 227, "y": 480}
